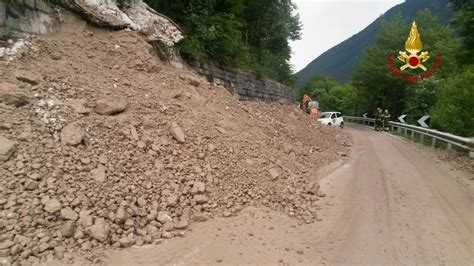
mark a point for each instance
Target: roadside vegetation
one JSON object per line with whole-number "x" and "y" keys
{"x": 448, "y": 96}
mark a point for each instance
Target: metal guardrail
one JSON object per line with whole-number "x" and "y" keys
{"x": 462, "y": 143}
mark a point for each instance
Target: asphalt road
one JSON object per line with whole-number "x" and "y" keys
{"x": 390, "y": 203}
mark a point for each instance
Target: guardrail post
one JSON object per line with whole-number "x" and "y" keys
{"x": 471, "y": 154}
{"x": 422, "y": 138}
{"x": 433, "y": 142}
{"x": 412, "y": 135}
{"x": 450, "y": 146}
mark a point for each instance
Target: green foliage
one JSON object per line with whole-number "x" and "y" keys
{"x": 464, "y": 21}
{"x": 453, "y": 111}
{"x": 248, "y": 34}
{"x": 378, "y": 88}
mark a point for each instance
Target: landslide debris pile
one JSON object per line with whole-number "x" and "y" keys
{"x": 103, "y": 145}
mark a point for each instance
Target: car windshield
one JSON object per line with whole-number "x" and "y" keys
{"x": 325, "y": 115}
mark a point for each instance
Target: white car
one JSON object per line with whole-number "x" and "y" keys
{"x": 331, "y": 119}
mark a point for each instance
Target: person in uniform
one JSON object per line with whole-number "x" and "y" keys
{"x": 386, "y": 119}
{"x": 378, "y": 119}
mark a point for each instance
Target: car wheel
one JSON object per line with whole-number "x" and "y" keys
{"x": 329, "y": 124}
{"x": 342, "y": 125}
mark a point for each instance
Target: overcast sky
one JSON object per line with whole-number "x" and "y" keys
{"x": 329, "y": 22}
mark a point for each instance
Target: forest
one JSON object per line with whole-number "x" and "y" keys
{"x": 447, "y": 96}
{"x": 245, "y": 34}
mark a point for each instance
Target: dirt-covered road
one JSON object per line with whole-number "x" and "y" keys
{"x": 391, "y": 203}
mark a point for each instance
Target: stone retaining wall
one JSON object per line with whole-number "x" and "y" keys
{"x": 245, "y": 86}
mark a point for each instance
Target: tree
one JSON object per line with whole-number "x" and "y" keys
{"x": 378, "y": 88}
{"x": 252, "y": 35}
{"x": 453, "y": 111}
{"x": 464, "y": 22}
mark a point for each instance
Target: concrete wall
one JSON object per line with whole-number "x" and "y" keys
{"x": 245, "y": 86}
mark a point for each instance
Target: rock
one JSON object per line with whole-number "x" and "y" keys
{"x": 200, "y": 199}
{"x": 99, "y": 174}
{"x": 163, "y": 217}
{"x": 85, "y": 219}
{"x": 110, "y": 106}
{"x": 28, "y": 77}
{"x": 7, "y": 148}
{"x": 68, "y": 229}
{"x": 177, "y": 132}
{"x": 69, "y": 214}
{"x": 99, "y": 231}
{"x": 52, "y": 205}
{"x": 121, "y": 215}
{"x": 198, "y": 187}
{"x": 172, "y": 200}
{"x": 6, "y": 244}
{"x": 11, "y": 95}
{"x": 126, "y": 241}
{"x": 182, "y": 224}
{"x": 275, "y": 172}
{"x": 59, "y": 252}
{"x": 31, "y": 185}
{"x": 211, "y": 147}
{"x": 72, "y": 134}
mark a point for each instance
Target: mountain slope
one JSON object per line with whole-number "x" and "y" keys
{"x": 339, "y": 61}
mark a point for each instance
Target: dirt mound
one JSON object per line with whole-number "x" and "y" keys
{"x": 103, "y": 145}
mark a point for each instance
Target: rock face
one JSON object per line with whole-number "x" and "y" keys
{"x": 41, "y": 16}
{"x": 246, "y": 86}
{"x": 7, "y": 148}
{"x": 72, "y": 134}
{"x": 110, "y": 106}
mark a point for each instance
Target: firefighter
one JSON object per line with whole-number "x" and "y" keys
{"x": 386, "y": 119}
{"x": 378, "y": 119}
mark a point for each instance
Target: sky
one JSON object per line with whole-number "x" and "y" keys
{"x": 326, "y": 23}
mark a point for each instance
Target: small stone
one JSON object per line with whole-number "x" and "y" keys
{"x": 99, "y": 231}
{"x": 172, "y": 200}
{"x": 182, "y": 224}
{"x": 126, "y": 241}
{"x": 28, "y": 77}
{"x": 200, "y": 199}
{"x": 85, "y": 218}
{"x": 31, "y": 185}
{"x": 72, "y": 134}
{"x": 69, "y": 214}
{"x": 121, "y": 215}
{"x": 211, "y": 147}
{"x": 275, "y": 172}
{"x": 7, "y": 148}
{"x": 110, "y": 106}
{"x": 167, "y": 235}
{"x": 177, "y": 132}
{"x": 59, "y": 252}
{"x": 163, "y": 217}
{"x": 99, "y": 174}
{"x": 52, "y": 205}
{"x": 68, "y": 228}
{"x": 200, "y": 217}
